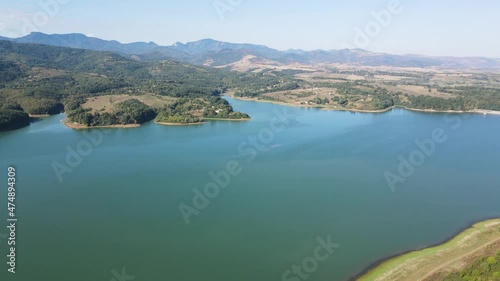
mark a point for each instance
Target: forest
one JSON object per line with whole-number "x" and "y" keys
{"x": 13, "y": 119}
{"x": 128, "y": 112}
{"x": 41, "y": 80}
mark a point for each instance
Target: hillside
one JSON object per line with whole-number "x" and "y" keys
{"x": 42, "y": 79}
{"x": 76, "y": 40}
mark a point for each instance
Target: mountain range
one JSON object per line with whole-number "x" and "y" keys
{"x": 216, "y": 53}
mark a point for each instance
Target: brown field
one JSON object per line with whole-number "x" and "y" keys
{"x": 415, "y": 90}
{"x": 107, "y": 103}
{"x": 305, "y": 97}
{"x": 251, "y": 63}
{"x": 301, "y": 96}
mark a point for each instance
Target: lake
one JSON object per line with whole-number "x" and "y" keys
{"x": 292, "y": 187}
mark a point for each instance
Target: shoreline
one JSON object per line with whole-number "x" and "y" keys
{"x": 476, "y": 111}
{"x": 77, "y": 126}
{"x": 205, "y": 121}
{"x": 231, "y": 120}
{"x": 391, "y": 258}
{"x": 179, "y": 124}
{"x": 39, "y": 116}
{"x": 320, "y": 107}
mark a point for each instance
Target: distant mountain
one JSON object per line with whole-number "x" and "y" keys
{"x": 216, "y": 53}
{"x": 80, "y": 41}
{"x": 209, "y": 45}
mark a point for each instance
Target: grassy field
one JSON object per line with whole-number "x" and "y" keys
{"x": 437, "y": 262}
{"x": 107, "y": 103}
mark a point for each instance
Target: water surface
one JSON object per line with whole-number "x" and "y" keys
{"x": 323, "y": 175}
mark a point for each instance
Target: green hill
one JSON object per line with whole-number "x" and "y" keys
{"x": 42, "y": 79}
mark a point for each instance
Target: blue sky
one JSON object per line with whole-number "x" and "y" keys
{"x": 429, "y": 27}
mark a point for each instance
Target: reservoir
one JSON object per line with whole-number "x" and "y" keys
{"x": 245, "y": 201}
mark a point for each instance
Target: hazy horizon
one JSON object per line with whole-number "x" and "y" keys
{"x": 389, "y": 26}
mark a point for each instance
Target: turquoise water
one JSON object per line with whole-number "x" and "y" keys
{"x": 321, "y": 175}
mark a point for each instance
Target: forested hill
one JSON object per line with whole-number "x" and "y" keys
{"x": 79, "y": 60}
{"x": 42, "y": 79}
{"x": 81, "y": 41}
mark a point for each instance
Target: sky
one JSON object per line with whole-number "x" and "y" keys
{"x": 426, "y": 27}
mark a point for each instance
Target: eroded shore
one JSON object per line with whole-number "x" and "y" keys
{"x": 437, "y": 260}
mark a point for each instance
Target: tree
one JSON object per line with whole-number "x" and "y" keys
{"x": 13, "y": 119}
